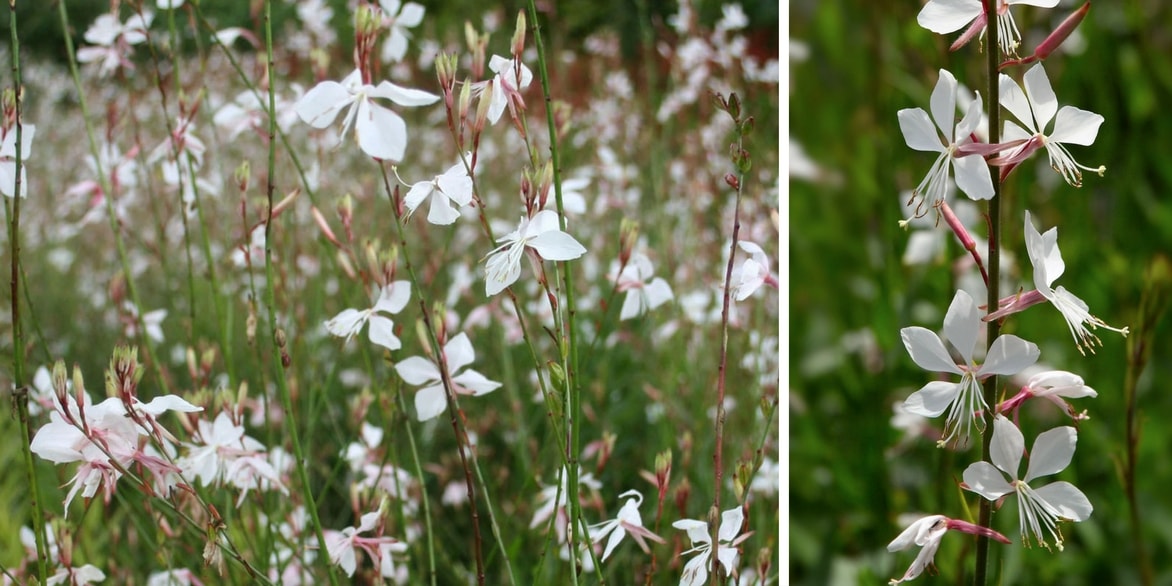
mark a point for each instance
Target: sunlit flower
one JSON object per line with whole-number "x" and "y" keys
{"x": 543, "y": 234}
{"x": 972, "y": 174}
{"x": 397, "y": 18}
{"x": 388, "y": 300}
{"x": 628, "y": 521}
{"x": 380, "y": 132}
{"x": 1039, "y": 509}
{"x": 945, "y": 16}
{"x": 431, "y": 400}
{"x": 1008, "y": 355}
{"x": 1035, "y": 107}
{"x": 729, "y": 538}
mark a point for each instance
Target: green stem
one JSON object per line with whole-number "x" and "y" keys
{"x": 993, "y": 286}
{"x": 419, "y": 474}
{"x": 279, "y": 355}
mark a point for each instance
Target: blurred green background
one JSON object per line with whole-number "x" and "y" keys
{"x": 854, "y": 66}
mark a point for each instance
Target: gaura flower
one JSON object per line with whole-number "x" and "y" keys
{"x": 1035, "y": 107}
{"x": 541, "y": 233}
{"x": 342, "y": 546}
{"x": 111, "y": 40}
{"x": 1008, "y": 355}
{"x": 454, "y": 186}
{"x": 8, "y": 159}
{"x": 644, "y": 293}
{"x": 628, "y": 521}
{"x": 430, "y": 401}
{"x": 752, "y": 273}
{"x": 972, "y": 174}
{"x": 388, "y": 300}
{"x": 927, "y": 533}
{"x": 380, "y": 132}
{"x": 398, "y": 17}
{"x": 1054, "y": 385}
{"x": 696, "y": 570}
{"x": 1038, "y": 508}
{"x": 946, "y": 16}
{"x": 511, "y": 77}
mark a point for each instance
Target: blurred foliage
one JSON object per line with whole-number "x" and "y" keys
{"x": 851, "y": 293}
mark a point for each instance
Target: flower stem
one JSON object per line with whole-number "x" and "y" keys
{"x": 993, "y": 285}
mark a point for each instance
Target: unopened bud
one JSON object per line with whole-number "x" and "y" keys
{"x": 250, "y": 326}
{"x": 484, "y": 105}
{"x": 732, "y": 181}
{"x": 662, "y": 472}
{"x": 742, "y": 477}
{"x": 628, "y": 235}
{"x": 465, "y": 101}
{"x": 279, "y": 337}
{"x": 192, "y": 366}
{"x": 734, "y": 106}
{"x": 557, "y": 376}
{"x": 519, "y": 35}
{"x": 243, "y": 172}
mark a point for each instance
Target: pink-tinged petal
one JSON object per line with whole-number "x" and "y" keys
{"x": 403, "y": 96}
{"x": 918, "y": 533}
{"x": 394, "y": 297}
{"x": 1007, "y": 446}
{"x": 1076, "y": 126}
{"x": 932, "y": 399}
{"x": 1052, "y": 452}
{"x": 918, "y": 130}
{"x": 943, "y": 103}
{"x": 985, "y": 480}
{"x": 417, "y": 370}
{"x": 1009, "y": 354}
{"x": 961, "y": 325}
{"x": 973, "y": 178}
{"x": 412, "y": 14}
{"x": 476, "y": 382}
{"x": 417, "y": 194}
{"x": 945, "y": 16}
{"x": 927, "y": 351}
{"x": 430, "y": 402}
{"x": 1041, "y": 95}
{"x": 441, "y": 212}
{"x": 557, "y": 246}
{"x": 458, "y": 352}
{"x": 381, "y": 133}
{"x": 1014, "y": 99}
{"x": 320, "y": 105}
{"x": 1067, "y": 500}
{"x": 382, "y": 332}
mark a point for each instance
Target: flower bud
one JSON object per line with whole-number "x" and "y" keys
{"x": 518, "y": 43}
{"x": 628, "y": 235}
{"x": 732, "y": 181}
{"x": 243, "y": 171}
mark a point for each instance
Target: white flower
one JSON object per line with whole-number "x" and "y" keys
{"x": 752, "y": 273}
{"x": 628, "y": 521}
{"x": 381, "y": 133}
{"x": 390, "y": 300}
{"x": 506, "y": 85}
{"x": 8, "y": 159}
{"x": 112, "y": 39}
{"x": 945, "y": 16}
{"x": 342, "y": 546}
{"x": 541, "y": 233}
{"x": 430, "y": 401}
{"x": 972, "y": 174}
{"x": 1008, "y": 355}
{"x": 1035, "y": 107}
{"x": 1038, "y": 508}
{"x": 398, "y": 19}
{"x": 1048, "y": 266}
{"x": 454, "y": 186}
{"x": 76, "y": 576}
{"x": 696, "y": 570}
{"x": 925, "y": 533}
{"x": 643, "y": 292}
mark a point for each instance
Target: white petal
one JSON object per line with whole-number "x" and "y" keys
{"x": 1041, "y": 95}
{"x": 320, "y": 105}
{"x": 730, "y": 524}
{"x": 382, "y": 332}
{"x": 381, "y": 133}
{"x": 973, "y": 178}
{"x": 985, "y": 480}
{"x": 1067, "y": 499}
{"x": 395, "y": 47}
{"x": 916, "y": 533}
{"x": 458, "y": 188}
{"x": 962, "y": 323}
{"x": 394, "y": 297}
{"x": 458, "y": 352}
{"x": 412, "y": 14}
{"x": 927, "y": 351}
{"x": 476, "y": 382}
{"x": 971, "y": 120}
{"x": 430, "y": 402}
{"x": 417, "y": 370}
{"x": 403, "y": 96}
{"x": 417, "y": 194}
{"x": 943, "y": 103}
{"x": 945, "y": 16}
{"x": 1052, "y": 452}
{"x": 918, "y": 131}
{"x": 657, "y": 293}
{"x": 347, "y": 323}
{"x": 1076, "y": 126}
{"x": 1007, "y": 445}
{"x": 1014, "y": 99}
{"x": 1009, "y": 354}
{"x": 441, "y": 212}
{"x": 557, "y": 245}
{"x": 932, "y": 399}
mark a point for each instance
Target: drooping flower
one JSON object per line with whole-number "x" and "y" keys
{"x": 343, "y": 545}
{"x": 1035, "y": 107}
{"x": 388, "y": 300}
{"x": 380, "y": 132}
{"x": 628, "y": 521}
{"x": 729, "y": 538}
{"x": 946, "y": 16}
{"x": 1008, "y": 355}
{"x": 972, "y": 174}
{"x": 8, "y": 159}
{"x": 644, "y": 293}
{"x": 1039, "y": 509}
{"x": 926, "y": 533}
{"x": 454, "y": 186}
{"x": 1054, "y": 385}
{"x": 752, "y": 272}
{"x": 430, "y": 401}
{"x": 397, "y": 18}
{"x": 543, "y": 234}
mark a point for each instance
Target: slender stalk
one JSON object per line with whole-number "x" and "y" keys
{"x": 993, "y": 327}
{"x": 278, "y": 334}
{"x": 21, "y": 392}
{"x": 569, "y": 350}
{"x": 419, "y": 474}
